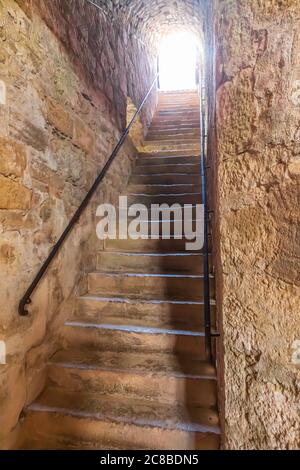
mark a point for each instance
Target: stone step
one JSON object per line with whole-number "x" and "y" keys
{"x": 163, "y": 188}
{"x": 164, "y": 126}
{"x": 178, "y": 115}
{"x": 184, "y": 105}
{"x": 170, "y": 199}
{"x": 167, "y": 228}
{"x": 86, "y": 335}
{"x": 151, "y": 262}
{"x": 178, "y": 94}
{"x": 173, "y": 141}
{"x": 181, "y": 111}
{"x": 167, "y": 160}
{"x": 167, "y": 314}
{"x": 167, "y": 123}
{"x": 170, "y": 168}
{"x": 168, "y": 102}
{"x": 167, "y": 146}
{"x": 173, "y": 136}
{"x": 180, "y": 131}
{"x": 166, "y": 178}
{"x": 173, "y": 97}
{"x": 163, "y": 378}
{"x": 151, "y": 286}
{"x": 58, "y": 442}
{"x": 132, "y": 423}
{"x": 170, "y": 153}
{"x": 174, "y": 245}
{"x": 181, "y": 105}
{"x": 167, "y": 128}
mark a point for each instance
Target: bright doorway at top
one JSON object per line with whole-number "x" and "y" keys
{"x": 178, "y": 59}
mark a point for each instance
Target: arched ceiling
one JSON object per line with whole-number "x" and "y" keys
{"x": 151, "y": 19}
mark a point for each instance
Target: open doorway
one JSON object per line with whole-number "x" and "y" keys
{"x": 177, "y": 62}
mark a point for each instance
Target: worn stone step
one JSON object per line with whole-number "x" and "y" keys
{"x": 163, "y": 378}
{"x": 177, "y": 136}
{"x": 165, "y": 146}
{"x": 174, "y": 245}
{"x": 168, "y": 160}
{"x": 178, "y": 108}
{"x": 170, "y": 199}
{"x": 166, "y": 178}
{"x": 182, "y": 130}
{"x": 173, "y": 143}
{"x": 180, "y": 105}
{"x": 176, "y": 142}
{"x": 172, "y": 138}
{"x": 163, "y": 188}
{"x": 168, "y": 314}
{"x": 161, "y": 286}
{"x": 178, "y": 96}
{"x": 83, "y": 334}
{"x": 177, "y": 105}
{"x": 161, "y": 125}
{"x": 166, "y": 128}
{"x": 146, "y": 212}
{"x": 58, "y": 442}
{"x": 170, "y": 168}
{"x": 169, "y": 153}
{"x": 129, "y": 422}
{"x": 151, "y": 262}
{"x": 167, "y": 228}
{"x": 179, "y": 115}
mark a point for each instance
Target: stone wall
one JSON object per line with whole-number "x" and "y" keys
{"x": 151, "y": 19}
{"x": 60, "y": 116}
{"x": 258, "y": 219}
{"x": 104, "y": 52}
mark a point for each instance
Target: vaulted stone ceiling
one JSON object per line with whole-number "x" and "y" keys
{"x": 151, "y": 19}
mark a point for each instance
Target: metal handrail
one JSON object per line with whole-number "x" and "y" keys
{"x": 26, "y": 299}
{"x": 206, "y": 250}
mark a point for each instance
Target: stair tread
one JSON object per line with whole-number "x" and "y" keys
{"x": 143, "y": 363}
{"x": 157, "y": 254}
{"x": 139, "y": 329}
{"x": 163, "y": 194}
{"x": 134, "y": 300}
{"x": 62, "y": 443}
{"x": 139, "y": 412}
{"x": 152, "y": 275}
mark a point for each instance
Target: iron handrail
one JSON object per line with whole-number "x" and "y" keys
{"x": 26, "y": 299}
{"x": 206, "y": 250}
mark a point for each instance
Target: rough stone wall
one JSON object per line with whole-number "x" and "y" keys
{"x": 105, "y": 54}
{"x": 59, "y": 120}
{"x": 150, "y": 19}
{"x": 257, "y": 174}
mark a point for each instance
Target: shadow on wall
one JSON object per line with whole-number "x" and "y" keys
{"x": 137, "y": 131}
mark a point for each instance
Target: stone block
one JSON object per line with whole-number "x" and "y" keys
{"x": 2, "y": 93}
{"x": 59, "y": 118}
{"x": 7, "y": 254}
{"x": 294, "y": 166}
{"x": 84, "y": 137}
{"x": 12, "y": 157}
{"x": 12, "y": 377}
{"x": 14, "y": 195}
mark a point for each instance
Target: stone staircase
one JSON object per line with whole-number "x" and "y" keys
{"x": 132, "y": 370}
